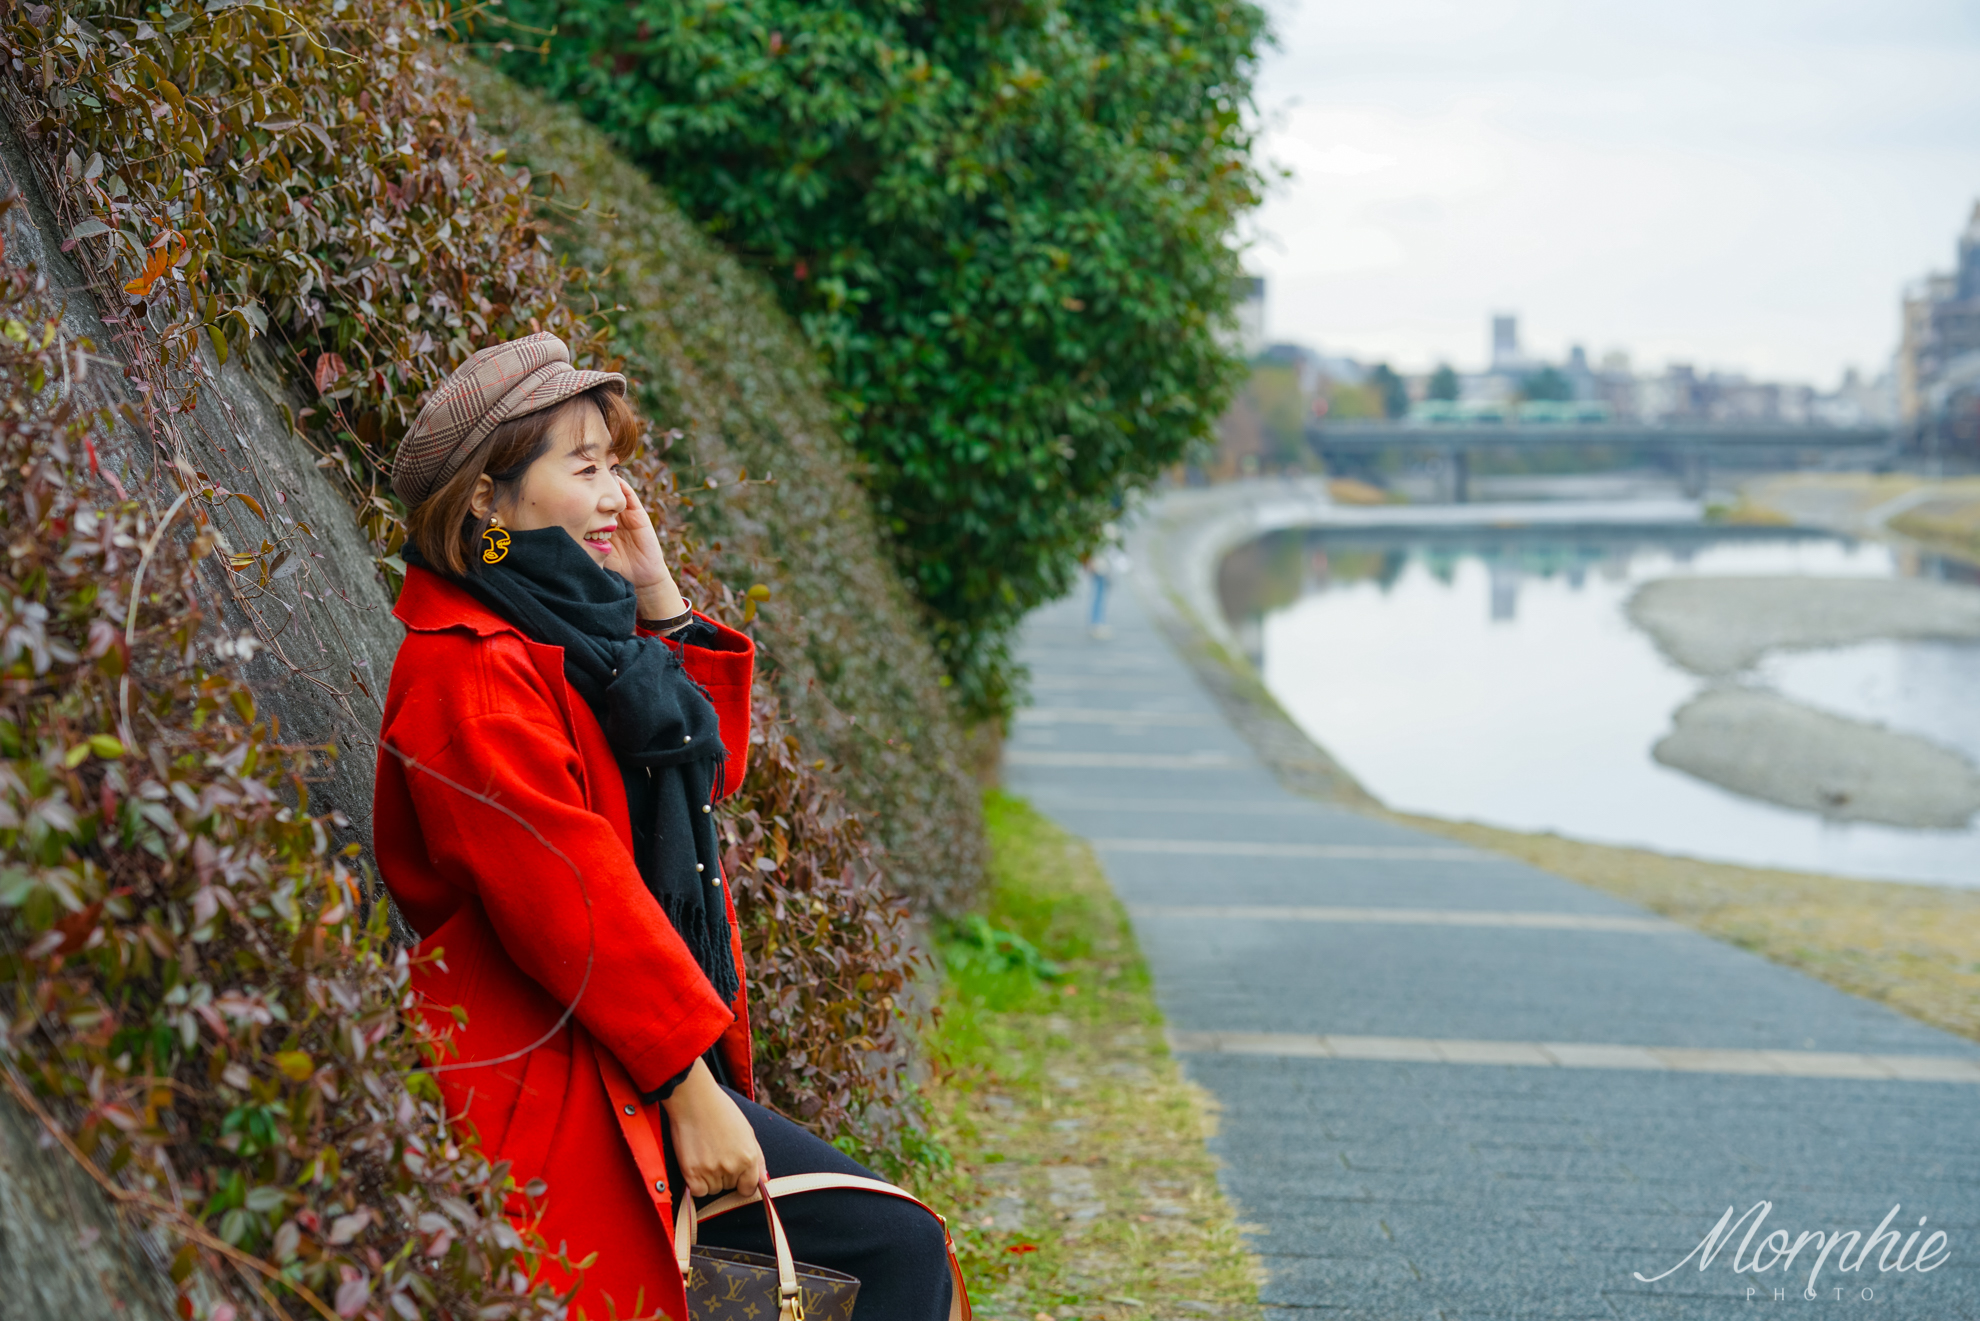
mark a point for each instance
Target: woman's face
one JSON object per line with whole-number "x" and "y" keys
{"x": 574, "y": 486}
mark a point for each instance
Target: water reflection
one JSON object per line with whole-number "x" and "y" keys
{"x": 1492, "y": 674}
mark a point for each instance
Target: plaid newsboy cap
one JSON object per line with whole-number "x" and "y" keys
{"x": 495, "y": 384}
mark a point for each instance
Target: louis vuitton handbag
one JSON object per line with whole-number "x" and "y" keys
{"x": 727, "y": 1285}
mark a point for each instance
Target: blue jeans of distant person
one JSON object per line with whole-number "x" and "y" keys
{"x": 1098, "y": 617}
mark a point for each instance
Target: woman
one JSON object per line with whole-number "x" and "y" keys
{"x": 559, "y": 726}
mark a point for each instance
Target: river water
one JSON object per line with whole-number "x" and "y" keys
{"x": 1492, "y": 675}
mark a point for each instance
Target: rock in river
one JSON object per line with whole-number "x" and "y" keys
{"x": 1720, "y": 626}
{"x": 1763, "y": 746}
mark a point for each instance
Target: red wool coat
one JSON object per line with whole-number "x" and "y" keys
{"x": 496, "y": 792}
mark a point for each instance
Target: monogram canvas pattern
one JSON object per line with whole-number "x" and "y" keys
{"x": 727, "y": 1285}
{"x": 495, "y": 384}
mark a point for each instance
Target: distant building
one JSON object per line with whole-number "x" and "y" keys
{"x": 1507, "y": 356}
{"x": 1941, "y": 327}
{"x": 1670, "y": 397}
{"x": 1857, "y": 402}
{"x": 1616, "y": 385}
{"x": 1681, "y": 394}
{"x": 1251, "y": 315}
{"x": 1612, "y": 390}
{"x": 1580, "y": 375}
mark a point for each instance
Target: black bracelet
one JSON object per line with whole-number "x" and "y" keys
{"x": 669, "y": 625}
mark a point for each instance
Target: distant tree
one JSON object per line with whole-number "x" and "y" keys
{"x": 1354, "y": 403}
{"x": 1281, "y": 403}
{"x": 1444, "y": 384}
{"x": 1548, "y": 385}
{"x": 1389, "y": 386}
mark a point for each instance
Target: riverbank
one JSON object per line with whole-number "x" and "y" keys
{"x": 1941, "y": 515}
{"x": 1080, "y": 1185}
{"x": 1913, "y": 947}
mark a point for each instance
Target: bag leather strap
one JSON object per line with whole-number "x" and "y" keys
{"x": 792, "y": 1184}
{"x": 686, "y": 1222}
{"x": 637, "y": 1130}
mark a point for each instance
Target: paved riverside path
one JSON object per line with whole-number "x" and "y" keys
{"x": 1454, "y": 1086}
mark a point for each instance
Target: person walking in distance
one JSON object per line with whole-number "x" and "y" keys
{"x": 558, "y": 730}
{"x": 1108, "y": 562}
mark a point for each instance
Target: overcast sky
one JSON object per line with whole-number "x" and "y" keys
{"x": 1740, "y": 184}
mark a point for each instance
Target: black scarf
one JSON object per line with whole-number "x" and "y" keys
{"x": 661, "y": 725}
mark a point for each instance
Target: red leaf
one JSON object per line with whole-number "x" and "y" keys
{"x": 75, "y": 928}
{"x": 328, "y": 368}
{"x": 1019, "y": 1249}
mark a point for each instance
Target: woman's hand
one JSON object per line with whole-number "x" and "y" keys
{"x": 715, "y": 1145}
{"x": 636, "y": 556}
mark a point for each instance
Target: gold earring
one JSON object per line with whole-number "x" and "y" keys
{"x": 494, "y": 544}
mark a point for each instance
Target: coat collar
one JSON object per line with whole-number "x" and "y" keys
{"x": 430, "y": 603}
{"x": 433, "y": 603}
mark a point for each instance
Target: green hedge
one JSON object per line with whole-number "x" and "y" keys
{"x": 1004, "y": 227}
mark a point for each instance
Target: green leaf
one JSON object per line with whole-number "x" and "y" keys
{"x": 15, "y": 886}
{"x": 266, "y": 1199}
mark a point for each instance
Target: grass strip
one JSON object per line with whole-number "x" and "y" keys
{"x": 1951, "y": 529}
{"x": 1080, "y": 1185}
{"x": 1915, "y": 948}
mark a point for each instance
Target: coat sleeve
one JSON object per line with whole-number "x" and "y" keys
{"x": 725, "y": 669}
{"x": 502, "y": 807}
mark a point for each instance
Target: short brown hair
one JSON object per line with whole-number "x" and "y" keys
{"x": 444, "y": 525}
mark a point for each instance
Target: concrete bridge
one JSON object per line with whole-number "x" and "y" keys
{"x": 1689, "y": 448}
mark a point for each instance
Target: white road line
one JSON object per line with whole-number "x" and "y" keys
{"x": 1126, "y": 761}
{"x": 1582, "y": 1055}
{"x": 1090, "y": 715}
{"x": 1169, "y": 806}
{"x": 1428, "y": 917}
{"x": 1243, "y": 848}
{"x": 1106, "y": 683}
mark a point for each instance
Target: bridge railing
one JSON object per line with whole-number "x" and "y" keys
{"x": 1689, "y": 447}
